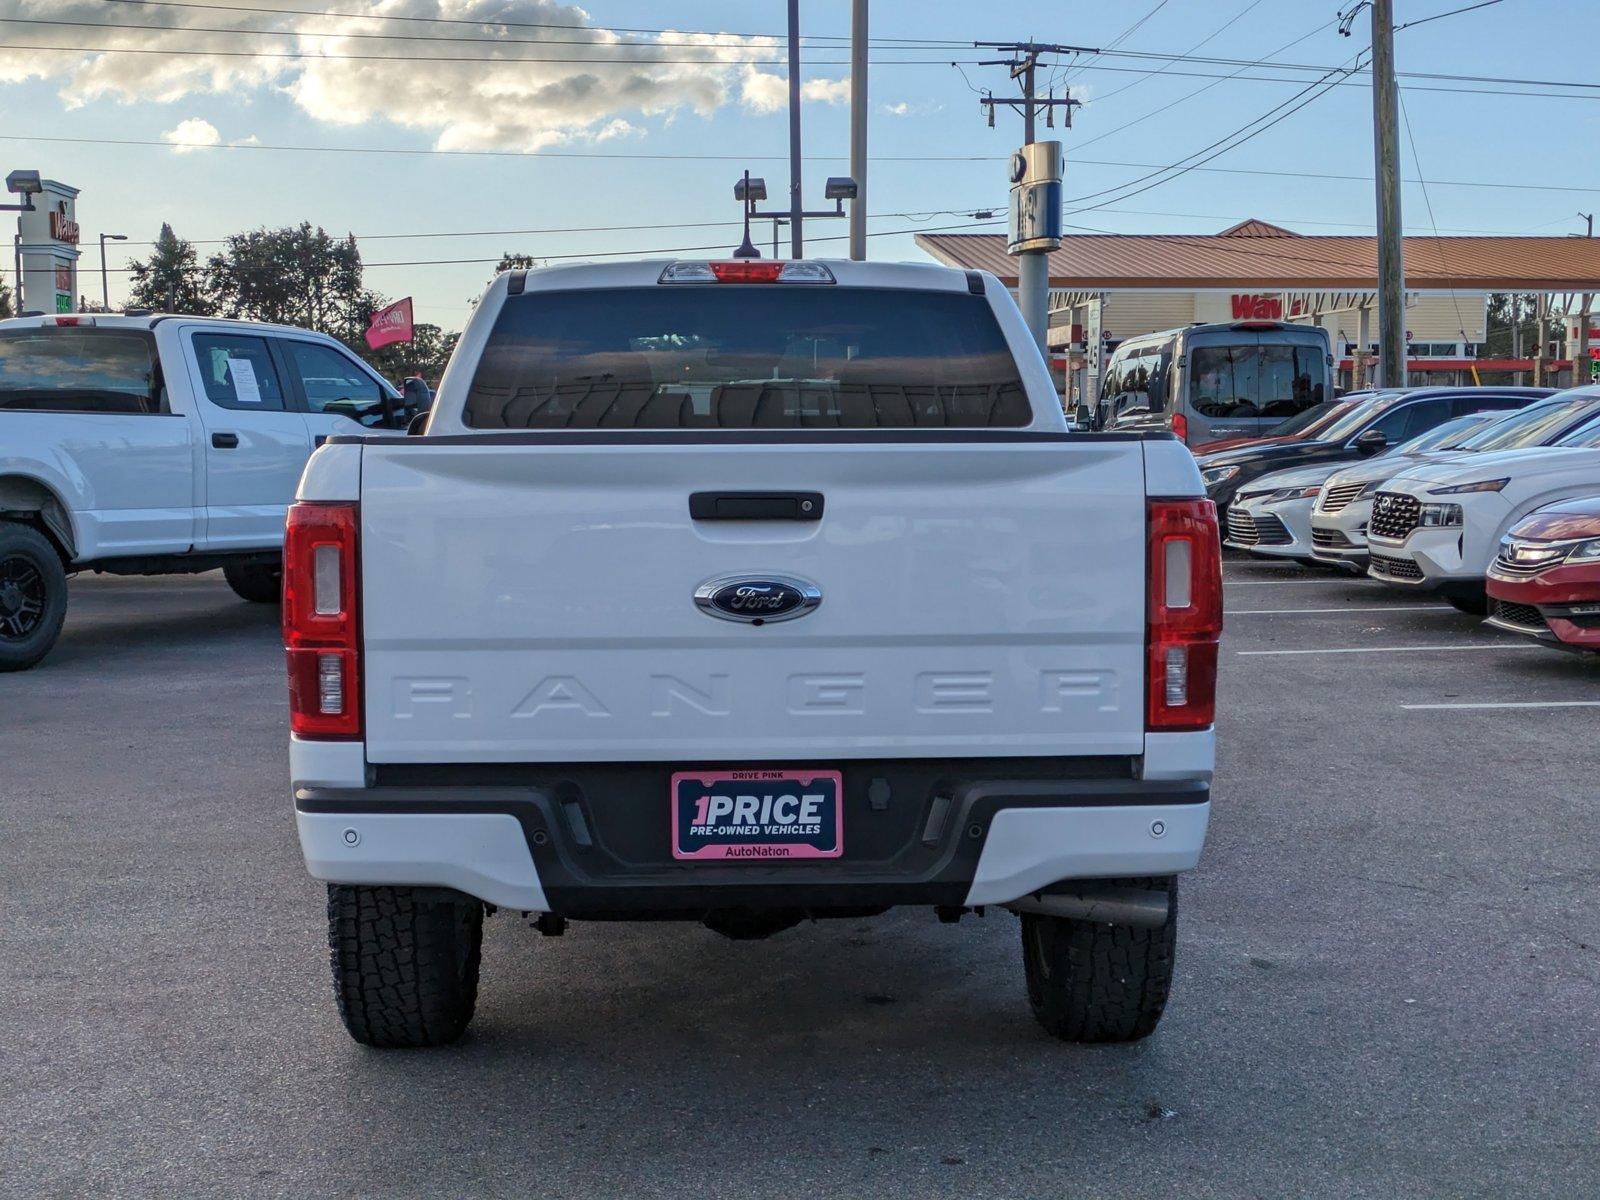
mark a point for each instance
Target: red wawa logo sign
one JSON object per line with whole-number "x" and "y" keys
{"x": 1263, "y": 308}
{"x": 62, "y": 227}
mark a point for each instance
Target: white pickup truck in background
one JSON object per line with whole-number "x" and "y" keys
{"x": 746, "y": 593}
{"x": 153, "y": 445}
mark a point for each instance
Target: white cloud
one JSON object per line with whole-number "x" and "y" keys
{"x": 511, "y": 101}
{"x": 617, "y": 128}
{"x": 762, "y": 92}
{"x": 191, "y": 134}
{"x": 909, "y": 108}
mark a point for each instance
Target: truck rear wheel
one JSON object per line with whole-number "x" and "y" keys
{"x": 256, "y": 583}
{"x": 33, "y": 596}
{"x": 405, "y": 963}
{"x": 1093, "y": 982}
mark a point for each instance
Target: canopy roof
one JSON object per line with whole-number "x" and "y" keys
{"x": 1254, "y": 255}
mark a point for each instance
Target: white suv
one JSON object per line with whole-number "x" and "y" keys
{"x": 1438, "y": 527}
{"x": 1277, "y": 509}
{"x": 1344, "y": 505}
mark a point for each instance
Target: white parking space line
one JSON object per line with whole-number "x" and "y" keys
{"x": 1348, "y": 608}
{"x": 1328, "y": 582}
{"x": 1506, "y": 704}
{"x": 1387, "y": 649}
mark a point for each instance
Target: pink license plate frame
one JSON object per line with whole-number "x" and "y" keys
{"x": 761, "y": 783}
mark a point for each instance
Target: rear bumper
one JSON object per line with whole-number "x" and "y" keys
{"x": 548, "y": 849}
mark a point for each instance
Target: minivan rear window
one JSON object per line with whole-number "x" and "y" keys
{"x": 79, "y": 369}
{"x": 1273, "y": 379}
{"x": 746, "y": 356}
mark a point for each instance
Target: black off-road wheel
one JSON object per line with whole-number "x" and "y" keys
{"x": 33, "y": 596}
{"x": 1094, "y": 982}
{"x": 405, "y": 963}
{"x": 256, "y": 583}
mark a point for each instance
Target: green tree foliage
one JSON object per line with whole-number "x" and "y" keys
{"x": 297, "y": 275}
{"x": 1507, "y": 309}
{"x": 7, "y": 309}
{"x": 170, "y": 280}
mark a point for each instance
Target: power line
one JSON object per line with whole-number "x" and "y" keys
{"x": 1247, "y": 9}
{"x": 656, "y": 251}
{"x": 1440, "y": 16}
{"x": 1190, "y": 95}
{"x": 645, "y": 156}
{"x": 1284, "y": 109}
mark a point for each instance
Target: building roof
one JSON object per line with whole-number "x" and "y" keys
{"x": 1254, "y": 255}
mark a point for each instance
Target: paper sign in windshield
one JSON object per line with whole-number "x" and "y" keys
{"x": 245, "y": 387}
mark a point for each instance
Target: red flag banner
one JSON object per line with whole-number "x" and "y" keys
{"x": 390, "y": 324}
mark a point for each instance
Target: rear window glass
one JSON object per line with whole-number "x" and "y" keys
{"x": 739, "y": 356}
{"x": 79, "y": 370}
{"x": 1274, "y": 379}
{"x": 1528, "y": 427}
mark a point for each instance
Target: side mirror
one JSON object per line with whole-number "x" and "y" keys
{"x": 416, "y": 395}
{"x": 1371, "y": 442}
{"x": 1084, "y": 416}
{"x": 418, "y": 425}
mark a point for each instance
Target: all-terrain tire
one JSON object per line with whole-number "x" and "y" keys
{"x": 1475, "y": 604}
{"x": 405, "y": 963}
{"x": 256, "y": 583}
{"x": 33, "y": 596}
{"x": 1093, "y": 982}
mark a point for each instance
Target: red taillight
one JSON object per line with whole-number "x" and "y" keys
{"x": 747, "y": 271}
{"x": 321, "y": 621}
{"x": 1184, "y": 615}
{"x": 1180, "y": 426}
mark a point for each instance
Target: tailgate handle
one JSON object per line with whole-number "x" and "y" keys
{"x": 755, "y": 506}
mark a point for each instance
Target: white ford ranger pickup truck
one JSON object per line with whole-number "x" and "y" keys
{"x": 159, "y": 445}
{"x": 748, "y": 593}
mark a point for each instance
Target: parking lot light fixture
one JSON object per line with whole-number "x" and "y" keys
{"x": 105, "y": 285}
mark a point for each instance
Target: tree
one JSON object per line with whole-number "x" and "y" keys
{"x": 170, "y": 280}
{"x": 296, "y": 275}
{"x": 6, "y": 307}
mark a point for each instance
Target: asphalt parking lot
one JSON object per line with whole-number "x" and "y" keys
{"x": 1387, "y": 984}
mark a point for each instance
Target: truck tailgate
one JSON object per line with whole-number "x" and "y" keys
{"x": 529, "y": 600}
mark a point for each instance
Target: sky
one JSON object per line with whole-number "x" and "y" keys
{"x": 573, "y": 158}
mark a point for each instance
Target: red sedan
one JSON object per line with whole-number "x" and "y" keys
{"x": 1545, "y": 582}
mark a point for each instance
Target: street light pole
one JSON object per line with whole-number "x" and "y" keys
{"x": 105, "y": 279}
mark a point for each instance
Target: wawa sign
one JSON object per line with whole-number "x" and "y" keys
{"x": 1269, "y": 307}
{"x": 62, "y": 227}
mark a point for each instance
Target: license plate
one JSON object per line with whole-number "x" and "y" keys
{"x": 757, "y": 815}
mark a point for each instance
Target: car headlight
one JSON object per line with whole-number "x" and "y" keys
{"x": 1370, "y": 490}
{"x": 1487, "y": 485}
{"x": 1588, "y": 551}
{"x": 1441, "y": 516}
{"x": 1217, "y": 476}
{"x": 1293, "y": 493}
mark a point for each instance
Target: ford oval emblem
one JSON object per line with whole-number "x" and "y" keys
{"x": 757, "y": 599}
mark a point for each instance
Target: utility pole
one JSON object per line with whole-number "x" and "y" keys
{"x": 1035, "y": 177}
{"x": 858, "y": 128}
{"x": 1580, "y": 357}
{"x": 1386, "y": 147}
{"x": 1541, "y": 303}
{"x": 796, "y": 207}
